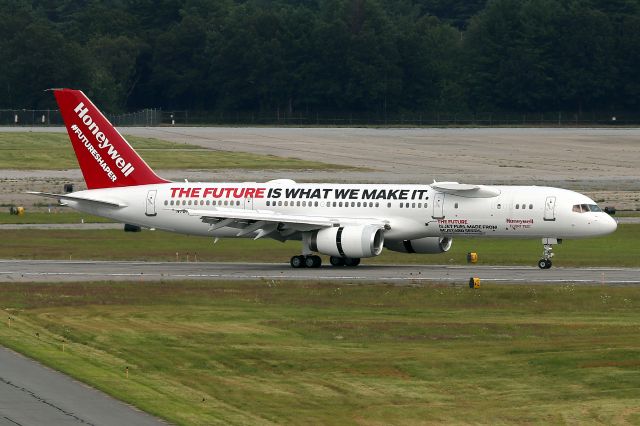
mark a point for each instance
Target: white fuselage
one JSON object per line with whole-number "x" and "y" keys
{"x": 410, "y": 211}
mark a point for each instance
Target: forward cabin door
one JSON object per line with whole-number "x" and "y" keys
{"x": 151, "y": 203}
{"x": 438, "y": 205}
{"x": 550, "y": 209}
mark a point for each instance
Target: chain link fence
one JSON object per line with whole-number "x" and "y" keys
{"x": 52, "y": 117}
{"x": 157, "y": 117}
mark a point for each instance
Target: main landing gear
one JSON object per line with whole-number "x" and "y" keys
{"x": 313, "y": 261}
{"x": 309, "y": 261}
{"x": 547, "y": 252}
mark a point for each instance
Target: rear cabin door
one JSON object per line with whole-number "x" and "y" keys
{"x": 438, "y": 205}
{"x": 151, "y": 203}
{"x": 550, "y": 209}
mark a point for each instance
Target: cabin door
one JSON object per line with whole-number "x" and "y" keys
{"x": 151, "y": 203}
{"x": 438, "y": 205}
{"x": 550, "y": 209}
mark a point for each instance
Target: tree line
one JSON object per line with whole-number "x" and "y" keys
{"x": 324, "y": 55}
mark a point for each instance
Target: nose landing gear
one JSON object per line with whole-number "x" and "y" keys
{"x": 547, "y": 252}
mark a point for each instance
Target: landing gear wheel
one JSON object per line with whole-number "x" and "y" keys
{"x": 297, "y": 262}
{"x": 544, "y": 263}
{"x": 336, "y": 261}
{"x": 351, "y": 261}
{"x": 312, "y": 261}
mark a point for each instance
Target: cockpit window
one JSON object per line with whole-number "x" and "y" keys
{"x": 584, "y": 208}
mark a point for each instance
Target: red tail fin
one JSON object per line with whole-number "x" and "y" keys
{"x": 105, "y": 157}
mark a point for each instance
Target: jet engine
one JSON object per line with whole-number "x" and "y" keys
{"x": 348, "y": 241}
{"x": 428, "y": 245}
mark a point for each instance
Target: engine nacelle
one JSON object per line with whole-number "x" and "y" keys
{"x": 349, "y": 241}
{"x": 428, "y": 245}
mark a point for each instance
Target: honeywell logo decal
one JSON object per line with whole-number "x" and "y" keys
{"x": 106, "y": 148}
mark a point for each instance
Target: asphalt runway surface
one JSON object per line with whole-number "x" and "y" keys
{"x": 31, "y": 394}
{"x": 63, "y": 270}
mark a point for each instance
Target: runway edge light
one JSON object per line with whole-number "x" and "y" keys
{"x": 474, "y": 282}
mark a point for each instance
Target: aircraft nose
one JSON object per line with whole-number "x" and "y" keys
{"x": 608, "y": 224}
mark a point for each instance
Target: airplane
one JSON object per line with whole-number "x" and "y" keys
{"x": 346, "y": 222}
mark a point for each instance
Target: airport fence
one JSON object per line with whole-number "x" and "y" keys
{"x": 52, "y": 117}
{"x": 443, "y": 119}
{"x": 157, "y": 117}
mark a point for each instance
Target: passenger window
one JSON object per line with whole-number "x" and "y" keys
{"x": 389, "y": 205}
{"x": 286, "y": 204}
{"x": 517, "y": 206}
{"x": 400, "y": 205}
{"x": 267, "y": 203}
{"x": 340, "y": 204}
{"x": 359, "y": 204}
{"x": 530, "y": 206}
{"x": 456, "y": 205}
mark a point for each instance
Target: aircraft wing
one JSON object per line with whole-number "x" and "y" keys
{"x": 267, "y": 222}
{"x": 71, "y": 197}
{"x": 466, "y": 190}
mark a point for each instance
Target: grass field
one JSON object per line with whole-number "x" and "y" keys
{"x": 46, "y": 151}
{"x": 319, "y": 353}
{"x": 43, "y": 217}
{"x": 618, "y": 249}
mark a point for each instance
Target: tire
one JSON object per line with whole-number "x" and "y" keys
{"x": 549, "y": 263}
{"x": 312, "y": 261}
{"x": 336, "y": 261}
{"x": 542, "y": 264}
{"x": 351, "y": 261}
{"x": 297, "y": 262}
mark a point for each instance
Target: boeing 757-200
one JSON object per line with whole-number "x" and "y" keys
{"x": 344, "y": 221}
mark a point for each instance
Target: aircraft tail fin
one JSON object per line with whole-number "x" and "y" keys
{"x": 105, "y": 157}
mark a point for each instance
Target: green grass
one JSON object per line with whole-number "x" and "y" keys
{"x": 41, "y": 217}
{"x": 46, "y": 151}
{"x": 618, "y": 249}
{"x": 320, "y": 353}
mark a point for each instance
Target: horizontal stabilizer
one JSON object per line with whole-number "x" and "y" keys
{"x": 466, "y": 190}
{"x": 71, "y": 197}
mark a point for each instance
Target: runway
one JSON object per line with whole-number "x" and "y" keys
{"x": 59, "y": 270}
